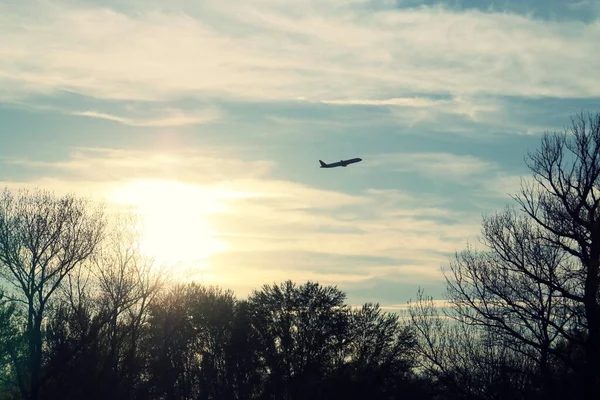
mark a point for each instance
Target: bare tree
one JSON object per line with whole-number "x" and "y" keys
{"x": 509, "y": 287}
{"x": 537, "y": 279}
{"x": 565, "y": 205}
{"x": 466, "y": 360}
{"x": 43, "y": 237}
{"x": 126, "y": 282}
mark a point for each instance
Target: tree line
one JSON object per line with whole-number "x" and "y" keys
{"x": 84, "y": 315}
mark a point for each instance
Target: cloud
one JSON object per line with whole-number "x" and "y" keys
{"x": 438, "y": 304}
{"x": 61, "y": 186}
{"x": 549, "y": 10}
{"x": 270, "y": 50}
{"x": 272, "y": 229}
{"x": 170, "y": 117}
{"x": 404, "y": 102}
{"x": 484, "y": 178}
{"x": 501, "y": 186}
{"x": 116, "y": 166}
{"x": 436, "y": 165}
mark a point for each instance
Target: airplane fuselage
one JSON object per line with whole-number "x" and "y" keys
{"x": 341, "y": 163}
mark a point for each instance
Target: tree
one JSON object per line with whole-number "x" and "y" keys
{"x": 467, "y": 361}
{"x": 43, "y": 237}
{"x": 189, "y": 336}
{"x": 501, "y": 289}
{"x": 76, "y": 349}
{"x": 126, "y": 283}
{"x": 244, "y": 372}
{"x": 11, "y": 349}
{"x": 300, "y": 331}
{"x": 378, "y": 349}
{"x": 95, "y": 328}
{"x": 172, "y": 361}
{"x": 565, "y": 205}
{"x": 537, "y": 279}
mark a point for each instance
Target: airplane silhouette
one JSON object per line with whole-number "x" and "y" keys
{"x": 341, "y": 163}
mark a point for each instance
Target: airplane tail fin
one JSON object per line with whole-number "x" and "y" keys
{"x": 322, "y": 163}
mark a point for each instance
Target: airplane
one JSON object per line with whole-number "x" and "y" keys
{"x": 341, "y": 163}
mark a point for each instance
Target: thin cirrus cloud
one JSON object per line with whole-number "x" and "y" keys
{"x": 485, "y": 184}
{"x": 417, "y": 102}
{"x": 328, "y": 51}
{"x": 159, "y": 119}
{"x": 434, "y": 164}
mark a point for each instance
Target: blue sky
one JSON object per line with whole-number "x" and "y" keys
{"x": 210, "y": 117}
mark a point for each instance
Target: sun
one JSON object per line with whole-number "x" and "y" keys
{"x": 176, "y": 220}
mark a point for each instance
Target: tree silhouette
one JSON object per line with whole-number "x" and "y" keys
{"x": 126, "y": 282}
{"x": 300, "y": 329}
{"x": 77, "y": 349}
{"x": 501, "y": 289}
{"x": 42, "y": 239}
{"x": 11, "y": 350}
{"x": 533, "y": 286}
{"x": 188, "y": 342}
{"x": 378, "y": 355}
{"x": 565, "y": 205}
{"x": 244, "y": 372}
{"x": 467, "y": 361}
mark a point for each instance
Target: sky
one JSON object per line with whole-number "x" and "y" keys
{"x": 208, "y": 119}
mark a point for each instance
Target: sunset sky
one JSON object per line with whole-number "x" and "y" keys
{"x": 209, "y": 117}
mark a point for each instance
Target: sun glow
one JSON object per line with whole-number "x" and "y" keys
{"x": 176, "y": 221}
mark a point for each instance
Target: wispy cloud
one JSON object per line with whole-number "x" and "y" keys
{"x": 270, "y": 50}
{"x": 115, "y": 165}
{"x": 162, "y": 118}
{"x": 439, "y": 304}
{"x": 404, "y": 102}
{"x": 264, "y": 220}
{"x": 484, "y": 182}
{"x": 438, "y": 165}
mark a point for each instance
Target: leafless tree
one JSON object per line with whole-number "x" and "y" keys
{"x": 565, "y": 204}
{"x": 43, "y": 237}
{"x": 537, "y": 278}
{"x": 466, "y": 361}
{"x": 126, "y": 282}
{"x": 501, "y": 287}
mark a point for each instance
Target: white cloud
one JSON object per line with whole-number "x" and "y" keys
{"x": 326, "y": 51}
{"x": 439, "y": 304}
{"x": 112, "y": 165}
{"x": 164, "y": 118}
{"x": 501, "y": 186}
{"x": 269, "y": 218}
{"x": 412, "y": 102}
